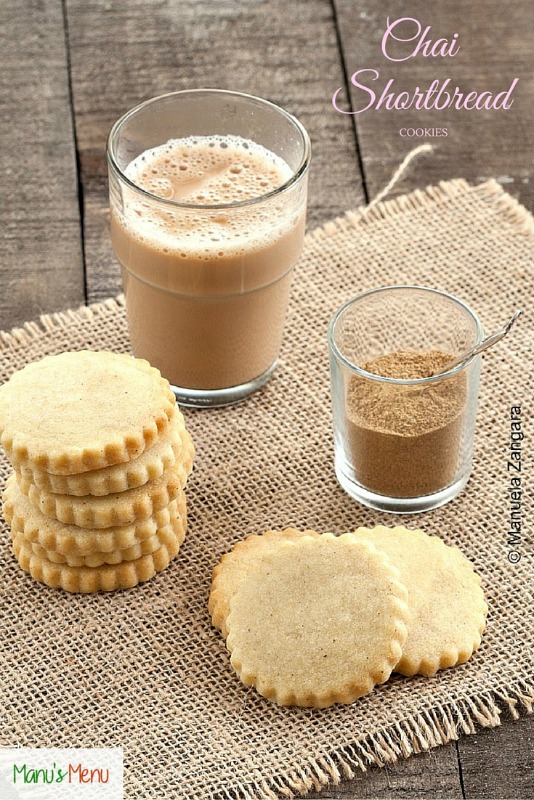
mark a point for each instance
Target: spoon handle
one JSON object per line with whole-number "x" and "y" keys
{"x": 483, "y": 345}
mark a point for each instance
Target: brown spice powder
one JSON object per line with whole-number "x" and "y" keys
{"x": 405, "y": 441}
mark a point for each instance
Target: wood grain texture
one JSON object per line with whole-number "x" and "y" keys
{"x": 495, "y": 47}
{"x": 41, "y": 254}
{"x": 497, "y": 764}
{"x": 433, "y": 775}
{"x": 124, "y": 53}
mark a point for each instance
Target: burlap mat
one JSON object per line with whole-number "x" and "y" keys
{"x": 143, "y": 669}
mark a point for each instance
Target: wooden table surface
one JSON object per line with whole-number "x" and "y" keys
{"x": 71, "y": 68}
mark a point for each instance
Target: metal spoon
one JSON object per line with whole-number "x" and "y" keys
{"x": 489, "y": 341}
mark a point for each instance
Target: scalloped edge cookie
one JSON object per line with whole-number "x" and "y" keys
{"x": 4, "y": 406}
{"x": 166, "y": 535}
{"x": 83, "y": 410}
{"x": 234, "y": 567}
{"x": 86, "y": 580}
{"x": 448, "y": 609}
{"x": 111, "y": 510}
{"x": 173, "y": 447}
{"x": 51, "y": 534}
{"x": 318, "y": 621}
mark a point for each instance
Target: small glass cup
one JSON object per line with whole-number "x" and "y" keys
{"x": 403, "y": 444}
{"x": 208, "y": 309}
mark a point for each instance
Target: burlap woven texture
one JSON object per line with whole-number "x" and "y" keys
{"x": 143, "y": 669}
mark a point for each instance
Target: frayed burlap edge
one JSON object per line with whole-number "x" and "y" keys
{"x": 431, "y": 727}
{"x": 511, "y": 210}
{"x": 47, "y": 323}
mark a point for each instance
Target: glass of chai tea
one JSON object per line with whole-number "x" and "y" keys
{"x": 208, "y": 196}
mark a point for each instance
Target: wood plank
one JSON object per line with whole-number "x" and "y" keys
{"x": 498, "y": 763}
{"x": 41, "y": 259}
{"x": 432, "y": 775}
{"x": 495, "y": 48}
{"x": 286, "y": 52}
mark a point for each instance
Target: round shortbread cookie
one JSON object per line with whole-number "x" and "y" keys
{"x": 4, "y": 405}
{"x": 165, "y": 535}
{"x": 81, "y": 411}
{"x": 448, "y": 610}
{"x": 236, "y": 565}
{"x": 106, "y": 578}
{"x": 318, "y": 621}
{"x": 172, "y": 447}
{"x": 111, "y": 510}
{"x": 50, "y": 534}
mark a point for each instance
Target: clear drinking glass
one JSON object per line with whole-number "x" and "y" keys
{"x": 403, "y": 444}
{"x": 208, "y": 311}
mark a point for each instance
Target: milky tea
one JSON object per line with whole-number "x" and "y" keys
{"x": 207, "y": 266}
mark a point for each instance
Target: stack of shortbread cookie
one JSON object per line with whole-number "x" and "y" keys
{"x": 101, "y": 458}
{"x": 313, "y": 620}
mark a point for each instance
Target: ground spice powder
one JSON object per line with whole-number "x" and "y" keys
{"x": 405, "y": 441}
